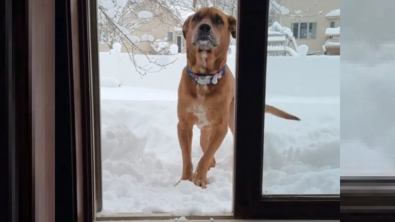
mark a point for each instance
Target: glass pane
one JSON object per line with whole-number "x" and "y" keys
{"x": 295, "y": 29}
{"x": 303, "y": 157}
{"x": 312, "y": 30}
{"x": 368, "y": 92}
{"x": 303, "y": 30}
{"x": 142, "y": 61}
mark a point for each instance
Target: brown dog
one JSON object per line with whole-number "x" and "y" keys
{"x": 207, "y": 89}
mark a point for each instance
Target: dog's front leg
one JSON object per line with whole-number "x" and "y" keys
{"x": 184, "y": 129}
{"x": 218, "y": 133}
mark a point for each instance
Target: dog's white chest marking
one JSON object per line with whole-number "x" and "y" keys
{"x": 198, "y": 109}
{"x": 204, "y": 62}
{"x": 201, "y": 114}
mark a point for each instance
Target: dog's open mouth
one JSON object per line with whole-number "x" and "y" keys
{"x": 205, "y": 42}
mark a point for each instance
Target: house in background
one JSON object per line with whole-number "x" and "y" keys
{"x": 309, "y": 21}
{"x": 164, "y": 26}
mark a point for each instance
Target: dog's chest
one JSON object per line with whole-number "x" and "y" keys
{"x": 199, "y": 108}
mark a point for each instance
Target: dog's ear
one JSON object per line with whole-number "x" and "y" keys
{"x": 232, "y": 25}
{"x": 186, "y": 26}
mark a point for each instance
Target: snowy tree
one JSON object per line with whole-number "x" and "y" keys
{"x": 118, "y": 21}
{"x": 161, "y": 46}
{"x": 276, "y": 8}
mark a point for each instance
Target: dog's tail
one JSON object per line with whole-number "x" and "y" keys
{"x": 277, "y": 112}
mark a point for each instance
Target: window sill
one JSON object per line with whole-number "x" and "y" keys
{"x": 225, "y": 220}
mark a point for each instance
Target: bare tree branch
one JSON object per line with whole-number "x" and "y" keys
{"x": 142, "y": 70}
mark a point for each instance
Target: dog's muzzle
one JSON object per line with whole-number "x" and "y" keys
{"x": 205, "y": 38}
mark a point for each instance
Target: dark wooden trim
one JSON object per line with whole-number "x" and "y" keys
{"x": 251, "y": 59}
{"x": 6, "y": 187}
{"x": 65, "y": 154}
{"x": 249, "y": 203}
{"x": 95, "y": 87}
{"x": 15, "y": 115}
{"x": 370, "y": 198}
{"x": 42, "y": 65}
{"x": 85, "y": 57}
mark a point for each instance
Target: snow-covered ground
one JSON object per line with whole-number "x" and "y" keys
{"x": 142, "y": 157}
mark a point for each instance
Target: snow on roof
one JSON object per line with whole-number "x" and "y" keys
{"x": 332, "y": 31}
{"x": 334, "y": 13}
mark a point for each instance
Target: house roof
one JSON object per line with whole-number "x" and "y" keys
{"x": 333, "y": 13}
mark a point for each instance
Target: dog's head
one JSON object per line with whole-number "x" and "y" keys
{"x": 209, "y": 29}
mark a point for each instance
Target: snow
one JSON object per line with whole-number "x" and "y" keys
{"x": 107, "y": 4}
{"x": 134, "y": 39}
{"x": 117, "y": 47}
{"x": 173, "y": 49}
{"x": 333, "y": 13}
{"x": 276, "y": 28}
{"x": 145, "y": 15}
{"x": 302, "y": 50}
{"x": 109, "y": 82}
{"x": 160, "y": 46}
{"x": 142, "y": 158}
{"x": 147, "y": 38}
{"x": 276, "y": 38}
{"x": 332, "y": 31}
{"x": 367, "y": 137}
{"x": 332, "y": 44}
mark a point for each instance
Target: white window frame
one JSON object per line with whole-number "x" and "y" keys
{"x": 308, "y": 24}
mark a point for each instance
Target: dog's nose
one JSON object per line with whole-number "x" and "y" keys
{"x": 204, "y": 28}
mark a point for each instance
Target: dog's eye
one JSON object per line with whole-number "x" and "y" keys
{"x": 196, "y": 17}
{"x": 218, "y": 20}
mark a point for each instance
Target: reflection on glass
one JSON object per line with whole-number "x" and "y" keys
{"x": 368, "y": 92}
{"x": 303, "y": 157}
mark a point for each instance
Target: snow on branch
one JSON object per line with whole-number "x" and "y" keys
{"x": 280, "y": 9}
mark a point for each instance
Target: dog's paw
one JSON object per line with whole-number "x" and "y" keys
{"x": 213, "y": 164}
{"x": 200, "y": 179}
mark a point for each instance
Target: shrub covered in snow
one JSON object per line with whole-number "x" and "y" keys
{"x": 161, "y": 47}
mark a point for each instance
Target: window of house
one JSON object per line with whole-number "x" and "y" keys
{"x": 332, "y": 24}
{"x": 304, "y": 30}
{"x": 295, "y": 29}
{"x": 170, "y": 36}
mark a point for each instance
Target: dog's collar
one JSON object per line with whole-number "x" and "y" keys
{"x": 205, "y": 79}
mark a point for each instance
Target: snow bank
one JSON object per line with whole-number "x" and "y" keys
{"x": 367, "y": 147}
{"x": 142, "y": 158}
